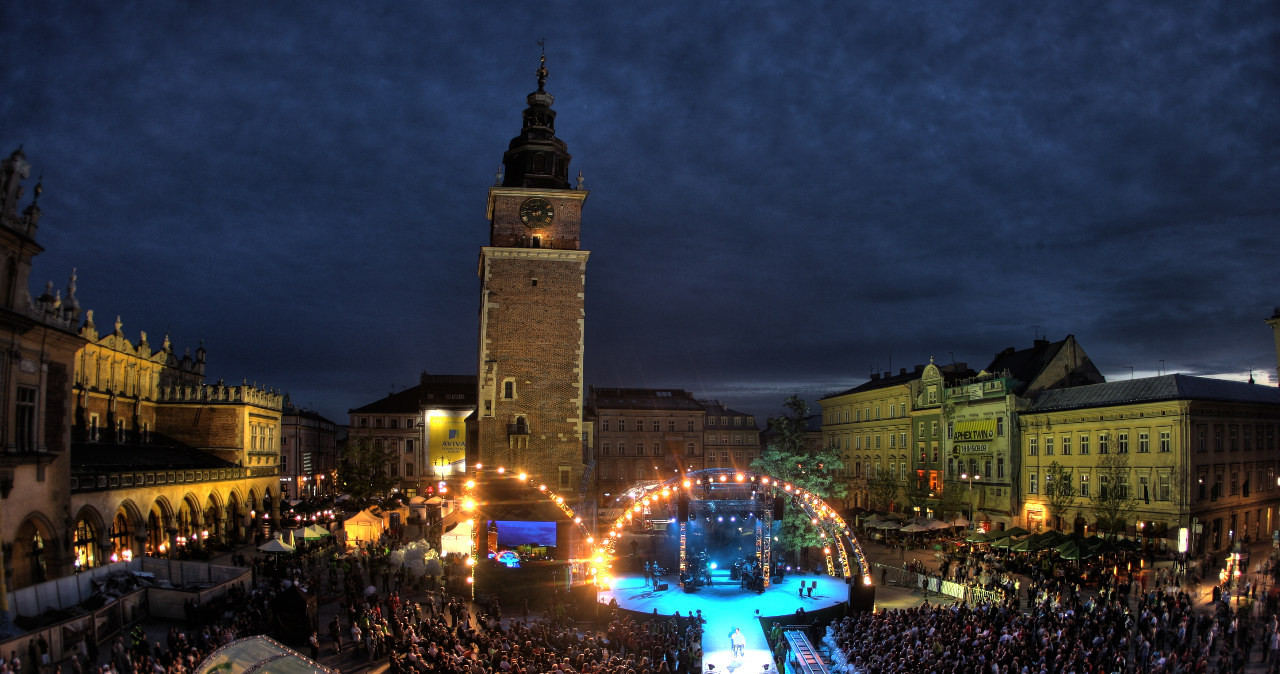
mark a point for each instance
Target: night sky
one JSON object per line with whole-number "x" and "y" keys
{"x": 784, "y": 198}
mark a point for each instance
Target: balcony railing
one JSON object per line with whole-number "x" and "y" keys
{"x": 517, "y": 429}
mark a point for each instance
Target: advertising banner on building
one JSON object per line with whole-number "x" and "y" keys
{"x": 446, "y": 439}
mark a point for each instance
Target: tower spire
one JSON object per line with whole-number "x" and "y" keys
{"x": 536, "y": 158}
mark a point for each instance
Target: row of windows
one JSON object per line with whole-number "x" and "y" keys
{"x": 387, "y": 422}
{"x": 1062, "y": 444}
{"x": 894, "y": 441}
{"x": 738, "y": 439}
{"x": 639, "y": 425}
{"x": 606, "y": 449}
{"x": 1236, "y": 437}
{"x": 892, "y": 411}
{"x": 724, "y": 421}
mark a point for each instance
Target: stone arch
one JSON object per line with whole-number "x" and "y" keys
{"x": 159, "y": 528}
{"x": 127, "y": 533}
{"x": 189, "y": 519}
{"x": 88, "y": 539}
{"x": 34, "y": 551}
{"x": 213, "y": 516}
{"x": 236, "y": 517}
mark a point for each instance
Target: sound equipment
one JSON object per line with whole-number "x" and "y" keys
{"x": 682, "y": 509}
{"x": 778, "y": 504}
{"x": 662, "y": 587}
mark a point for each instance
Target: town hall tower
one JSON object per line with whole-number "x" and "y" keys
{"x": 533, "y": 275}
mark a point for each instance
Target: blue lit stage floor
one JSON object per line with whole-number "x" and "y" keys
{"x": 726, "y": 606}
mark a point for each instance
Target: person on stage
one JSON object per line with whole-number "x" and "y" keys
{"x": 739, "y": 642}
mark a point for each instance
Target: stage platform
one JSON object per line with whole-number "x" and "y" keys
{"x": 725, "y": 606}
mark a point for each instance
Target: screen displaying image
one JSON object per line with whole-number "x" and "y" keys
{"x": 513, "y": 534}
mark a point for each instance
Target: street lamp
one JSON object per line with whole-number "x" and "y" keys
{"x": 972, "y": 506}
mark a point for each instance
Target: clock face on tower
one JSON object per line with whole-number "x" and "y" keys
{"x": 536, "y": 212}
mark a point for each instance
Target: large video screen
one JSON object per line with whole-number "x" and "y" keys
{"x": 513, "y": 534}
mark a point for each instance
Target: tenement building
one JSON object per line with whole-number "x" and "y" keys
{"x": 1184, "y": 463}
{"x": 422, "y": 429}
{"x": 308, "y": 453}
{"x": 732, "y": 437}
{"x": 644, "y": 436}
{"x": 871, "y": 424}
{"x": 532, "y": 312}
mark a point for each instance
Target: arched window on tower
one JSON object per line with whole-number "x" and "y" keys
{"x": 539, "y": 163}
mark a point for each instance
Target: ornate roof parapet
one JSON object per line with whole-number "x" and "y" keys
{"x": 220, "y": 393}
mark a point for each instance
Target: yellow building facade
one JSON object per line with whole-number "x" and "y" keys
{"x": 1201, "y": 455}
{"x": 872, "y": 425}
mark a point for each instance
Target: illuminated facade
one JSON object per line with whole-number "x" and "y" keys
{"x": 423, "y": 427}
{"x": 871, "y": 424}
{"x": 1201, "y": 457}
{"x": 980, "y": 413}
{"x": 532, "y": 312}
{"x": 643, "y": 436}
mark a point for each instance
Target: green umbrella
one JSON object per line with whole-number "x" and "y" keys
{"x": 1016, "y": 531}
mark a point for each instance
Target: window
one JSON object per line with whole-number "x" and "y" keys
{"x": 408, "y": 469}
{"x": 877, "y": 413}
{"x": 671, "y": 425}
{"x": 25, "y": 419}
{"x": 605, "y": 448}
{"x": 1084, "y": 485}
{"x": 657, "y": 426}
{"x": 935, "y": 452}
{"x": 604, "y": 424}
{"x": 902, "y": 439}
{"x": 1033, "y": 487}
{"x": 622, "y": 425}
{"x": 724, "y": 439}
{"x": 377, "y": 423}
{"x": 1164, "y": 487}
{"x": 724, "y": 421}
{"x": 565, "y": 474}
{"x": 902, "y": 409}
{"x": 639, "y": 449}
{"x": 737, "y": 421}
{"x": 1144, "y": 488}
{"x": 393, "y": 423}
{"x": 1122, "y": 442}
{"x": 689, "y": 449}
{"x": 1084, "y": 444}
{"x": 94, "y": 425}
{"x": 408, "y": 446}
{"x": 857, "y": 442}
{"x": 889, "y": 413}
{"x": 877, "y": 442}
{"x": 1217, "y": 438}
{"x": 657, "y": 449}
{"x": 1103, "y": 442}
{"x": 933, "y": 395}
{"x": 395, "y": 470}
{"x": 1202, "y": 440}
{"x": 933, "y": 428}
{"x": 999, "y": 427}
{"x": 1000, "y": 467}
{"x": 1235, "y": 438}
{"x": 1235, "y": 483}
{"x": 920, "y": 429}
{"x": 951, "y": 429}
{"x": 1048, "y": 446}
{"x": 1066, "y": 445}
{"x": 622, "y": 449}
{"x": 1033, "y": 447}
{"x": 711, "y": 421}
{"x": 737, "y": 456}
{"x": 893, "y": 440}
{"x": 1144, "y": 442}
{"x": 691, "y": 424}
{"x": 1102, "y": 485}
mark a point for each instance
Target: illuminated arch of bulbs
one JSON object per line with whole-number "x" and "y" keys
{"x": 594, "y": 563}
{"x": 821, "y": 514}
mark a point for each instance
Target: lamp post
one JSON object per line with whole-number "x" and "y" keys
{"x": 972, "y": 506}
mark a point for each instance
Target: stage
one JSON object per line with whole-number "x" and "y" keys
{"x": 725, "y": 606}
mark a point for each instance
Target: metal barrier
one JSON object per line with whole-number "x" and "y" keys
{"x": 804, "y": 658}
{"x": 899, "y": 577}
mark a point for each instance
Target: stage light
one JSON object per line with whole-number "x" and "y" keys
{"x": 719, "y": 518}
{"x": 542, "y": 487}
{"x": 523, "y": 476}
{"x": 502, "y": 469}
{"x": 714, "y": 566}
{"x": 471, "y": 484}
{"x": 733, "y": 519}
{"x": 577, "y": 520}
{"x": 738, "y": 477}
{"x": 724, "y": 478}
{"x": 686, "y": 484}
{"x": 764, "y": 480}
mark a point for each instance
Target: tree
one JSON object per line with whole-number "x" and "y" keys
{"x": 952, "y": 502}
{"x": 918, "y": 495}
{"x": 883, "y": 487}
{"x": 1059, "y": 492}
{"x": 1113, "y": 505}
{"x": 363, "y": 471}
{"x": 787, "y": 459}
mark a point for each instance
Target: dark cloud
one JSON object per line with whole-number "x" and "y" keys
{"x": 784, "y": 198}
